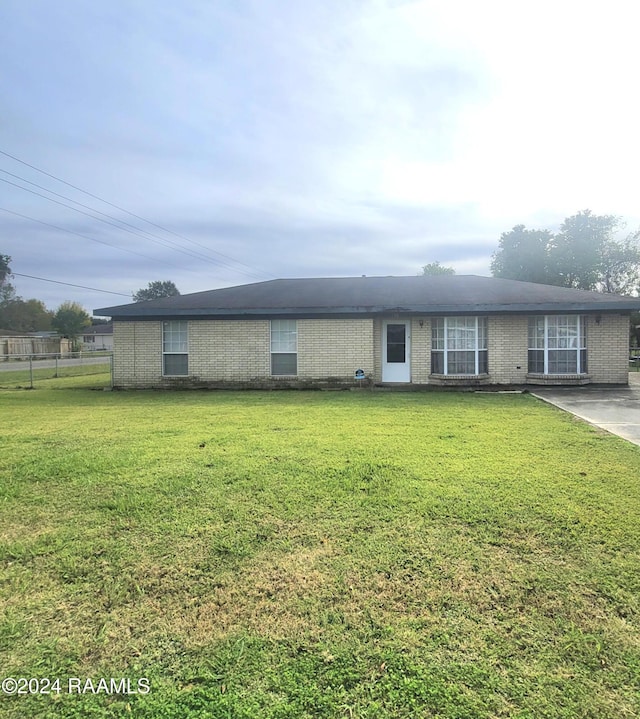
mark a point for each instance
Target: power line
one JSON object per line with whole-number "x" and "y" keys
{"x": 133, "y": 229}
{"x": 57, "y": 282}
{"x": 167, "y": 243}
{"x": 132, "y": 214}
{"x": 92, "y": 239}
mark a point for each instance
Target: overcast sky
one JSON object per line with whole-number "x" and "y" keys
{"x": 281, "y": 138}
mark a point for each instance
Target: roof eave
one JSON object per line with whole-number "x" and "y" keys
{"x": 448, "y": 309}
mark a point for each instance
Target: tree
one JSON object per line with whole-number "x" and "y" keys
{"x": 70, "y": 319}
{"x": 585, "y": 254}
{"x": 435, "y": 268}
{"x": 621, "y": 266}
{"x": 523, "y": 255}
{"x": 580, "y": 251}
{"x": 7, "y": 290}
{"x": 21, "y": 315}
{"x": 156, "y": 290}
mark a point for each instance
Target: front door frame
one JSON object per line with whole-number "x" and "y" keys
{"x": 396, "y": 371}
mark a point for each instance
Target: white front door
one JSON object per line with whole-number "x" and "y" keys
{"x": 396, "y": 351}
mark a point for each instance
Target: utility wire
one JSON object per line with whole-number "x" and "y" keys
{"x": 92, "y": 239}
{"x": 57, "y": 282}
{"x": 136, "y": 230}
{"x": 185, "y": 251}
{"x": 132, "y": 214}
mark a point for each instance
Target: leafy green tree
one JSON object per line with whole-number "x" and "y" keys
{"x": 7, "y": 290}
{"x": 523, "y": 255}
{"x": 21, "y": 315}
{"x": 70, "y": 319}
{"x": 435, "y": 268}
{"x": 588, "y": 256}
{"x": 621, "y": 266}
{"x": 156, "y": 290}
{"x": 585, "y": 254}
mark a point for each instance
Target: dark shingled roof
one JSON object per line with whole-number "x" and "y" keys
{"x": 103, "y": 329}
{"x": 353, "y": 296}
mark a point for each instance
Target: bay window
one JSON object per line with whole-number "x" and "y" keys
{"x": 459, "y": 345}
{"x": 557, "y": 344}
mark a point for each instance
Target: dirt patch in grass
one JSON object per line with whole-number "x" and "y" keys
{"x": 272, "y": 599}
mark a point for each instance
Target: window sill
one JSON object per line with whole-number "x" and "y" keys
{"x": 558, "y": 379}
{"x": 458, "y": 379}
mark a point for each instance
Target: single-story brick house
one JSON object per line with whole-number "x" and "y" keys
{"x": 443, "y": 330}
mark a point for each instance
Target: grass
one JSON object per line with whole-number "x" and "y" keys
{"x": 21, "y": 378}
{"x": 337, "y": 554}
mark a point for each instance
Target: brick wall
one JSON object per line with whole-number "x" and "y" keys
{"x": 228, "y": 352}
{"x": 335, "y": 348}
{"x": 377, "y": 350}
{"x": 238, "y": 352}
{"x": 608, "y": 348}
{"x": 508, "y": 344}
{"x": 420, "y": 350}
{"x": 507, "y": 341}
{"x": 137, "y": 360}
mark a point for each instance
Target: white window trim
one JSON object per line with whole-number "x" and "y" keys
{"x": 164, "y": 353}
{"x": 578, "y": 350}
{"x": 281, "y": 352}
{"x": 476, "y": 350}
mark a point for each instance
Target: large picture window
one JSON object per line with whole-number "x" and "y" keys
{"x": 175, "y": 348}
{"x": 557, "y": 344}
{"x": 459, "y": 345}
{"x": 284, "y": 347}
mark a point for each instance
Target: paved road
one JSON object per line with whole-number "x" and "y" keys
{"x": 617, "y": 409}
{"x": 51, "y": 363}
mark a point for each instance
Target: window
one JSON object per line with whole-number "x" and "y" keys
{"x": 396, "y": 343}
{"x": 175, "y": 348}
{"x": 284, "y": 347}
{"x": 557, "y": 344}
{"x": 459, "y": 345}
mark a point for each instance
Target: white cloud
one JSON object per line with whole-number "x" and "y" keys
{"x": 554, "y": 127}
{"x": 350, "y": 134}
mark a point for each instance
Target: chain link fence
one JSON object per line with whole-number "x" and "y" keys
{"x": 26, "y": 371}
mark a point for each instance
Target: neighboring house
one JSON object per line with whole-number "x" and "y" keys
{"x": 98, "y": 337}
{"x": 442, "y": 330}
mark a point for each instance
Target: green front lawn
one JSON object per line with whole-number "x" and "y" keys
{"x": 320, "y": 555}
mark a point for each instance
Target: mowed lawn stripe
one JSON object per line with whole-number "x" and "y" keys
{"x": 311, "y": 554}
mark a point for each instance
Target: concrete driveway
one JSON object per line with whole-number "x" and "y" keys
{"x": 617, "y": 410}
